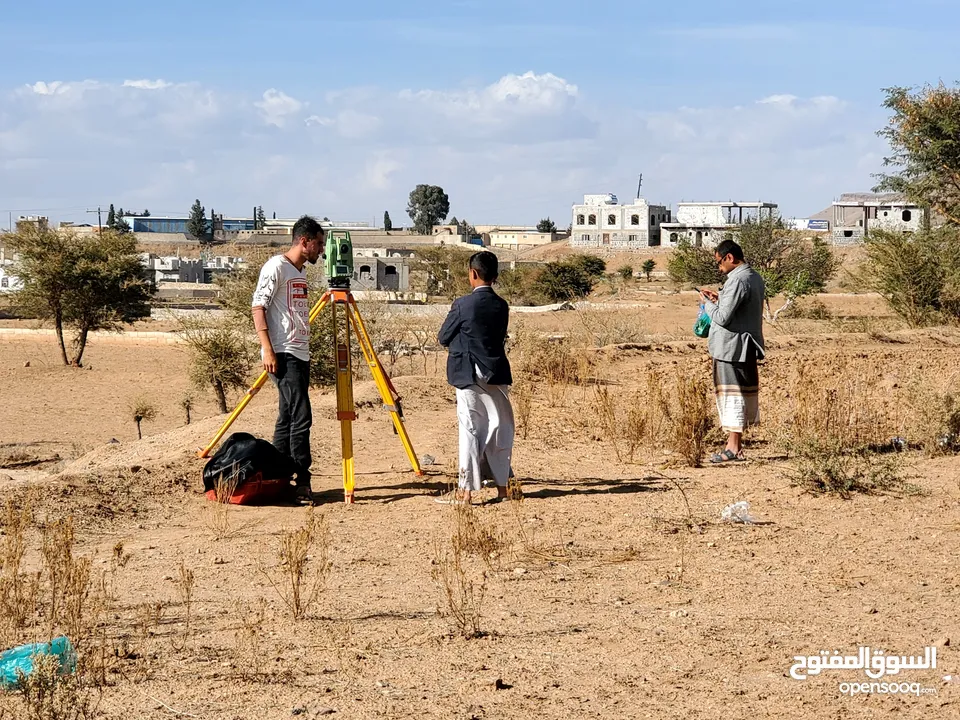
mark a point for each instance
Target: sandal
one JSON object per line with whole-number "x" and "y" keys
{"x": 726, "y": 456}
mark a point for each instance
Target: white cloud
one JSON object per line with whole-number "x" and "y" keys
{"x": 277, "y": 107}
{"x": 512, "y": 150}
{"x": 147, "y": 84}
{"x": 42, "y": 88}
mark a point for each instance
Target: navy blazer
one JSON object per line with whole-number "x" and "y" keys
{"x": 475, "y": 332}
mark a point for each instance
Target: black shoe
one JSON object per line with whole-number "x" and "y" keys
{"x": 303, "y": 494}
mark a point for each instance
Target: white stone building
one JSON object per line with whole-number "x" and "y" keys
{"x": 855, "y": 214}
{"x": 600, "y": 221}
{"x": 706, "y": 223}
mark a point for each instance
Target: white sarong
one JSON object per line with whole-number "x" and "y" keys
{"x": 486, "y": 424}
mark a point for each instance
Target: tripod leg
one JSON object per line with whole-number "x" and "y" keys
{"x": 346, "y": 412}
{"x": 255, "y": 388}
{"x": 387, "y": 392}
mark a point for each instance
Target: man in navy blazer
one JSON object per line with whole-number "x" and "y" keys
{"x": 475, "y": 333}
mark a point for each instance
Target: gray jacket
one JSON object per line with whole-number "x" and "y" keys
{"x": 736, "y": 319}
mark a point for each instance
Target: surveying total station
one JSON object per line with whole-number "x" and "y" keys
{"x": 338, "y": 267}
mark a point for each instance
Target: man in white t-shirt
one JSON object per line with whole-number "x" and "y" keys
{"x": 281, "y": 313}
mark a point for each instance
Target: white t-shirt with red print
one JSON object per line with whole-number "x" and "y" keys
{"x": 282, "y": 292}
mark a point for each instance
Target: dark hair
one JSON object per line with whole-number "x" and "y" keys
{"x": 308, "y": 228}
{"x": 729, "y": 247}
{"x": 486, "y": 265}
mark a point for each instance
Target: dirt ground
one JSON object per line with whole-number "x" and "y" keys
{"x": 615, "y": 590}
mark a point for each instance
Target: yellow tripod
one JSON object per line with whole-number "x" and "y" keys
{"x": 346, "y": 412}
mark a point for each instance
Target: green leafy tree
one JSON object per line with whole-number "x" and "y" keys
{"x": 918, "y": 275}
{"x": 592, "y": 265}
{"x": 197, "y": 225}
{"x": 691, "y": 264}
{"x": 442, "y": 271}
{"x": 111, "y": 218}
{"x": 261, "y": 219}
{"x": 222, "y": 356}
{"x": 647, "y": 267}
{"x": 790, "y": 264}
{"x": 454, "y": 222}
{"x": 625, "y": 271}
{"x": 924, "y": 137}
{"x": 236, "y": 292}
{"x": 81, "y": 285}
{"x": 546, "y": 226}
{"x": 387, "y": 222}
{"x": 559, "y": 281}
{"x": 427, "y": 205}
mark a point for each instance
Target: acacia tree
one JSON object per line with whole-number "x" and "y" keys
{"x": 427, "y": 205}
{"x": 443, "y": 271}
{"x": 89, "y": 284}
{"x": 790, "y": 264}
{"x": 924, "y": 137}
{"x": 222, "y": 356}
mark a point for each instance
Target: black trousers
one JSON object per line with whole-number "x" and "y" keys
{"x": 292, "y": 433}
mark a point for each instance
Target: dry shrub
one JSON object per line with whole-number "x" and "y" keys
{"x": 679, "y": 417}
{"x": 185, "y": 582}
{"x": 249, "y": 639}
{"x": 218, "y": 514}
{"x": 808, "y": 310}
{"x": 62, "y": 598}
{"x": 558, "y": 361}
{"x": 304, "y": 564}
{"x": 522, "y": 400}
{"x": 837, "y": 433}
{"x": 933, "y": 420}
{"x": 473, "y": 536}
{"x": 142, "y": 409}
{"x": 691, "y": 419}
{"x": 17, "y": 593}
{"x": 600, "y": 328}
{"x": 461, "y": 589}
{"x": 47, "y": 695}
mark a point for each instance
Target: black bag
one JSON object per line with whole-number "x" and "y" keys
{"x": 244, "y": 456}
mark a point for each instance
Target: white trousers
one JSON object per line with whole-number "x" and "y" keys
{"x": 486, "y": 424}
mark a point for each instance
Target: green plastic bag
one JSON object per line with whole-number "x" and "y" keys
{"x": 701, "y": 328}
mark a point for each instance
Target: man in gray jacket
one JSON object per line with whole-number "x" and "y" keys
{"x": 735, "y": 343}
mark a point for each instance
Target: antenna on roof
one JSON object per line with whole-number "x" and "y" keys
{"x": 639, "y": 185}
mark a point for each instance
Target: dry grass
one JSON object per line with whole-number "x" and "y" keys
{"x": 218, "y": 513}
{"x": 185, "y": 582}
{"x": 678, "y": 416}
{"x": 838, "y": 433}
{"x": 691, "y": 419}
{"x": 522, "y": 399}
{"x": 462, "y": 590}
{"x": 933, "y": 417}
{"x": 249, "y": 637}
{"x": 600, "y": 328}
{"x": 304, "y": 564}
{"x": 557, "y": 361}
{"x": 64, "y": 597}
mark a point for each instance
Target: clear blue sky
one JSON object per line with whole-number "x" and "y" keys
{"x": 516, "y": 108}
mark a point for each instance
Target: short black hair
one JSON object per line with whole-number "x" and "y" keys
{"x": 307, "y": 227}
{"x": 486, "y": 265}
{"x": 729, "y": 247}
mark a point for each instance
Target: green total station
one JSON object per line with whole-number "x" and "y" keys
{"x": 338, "y": 258}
